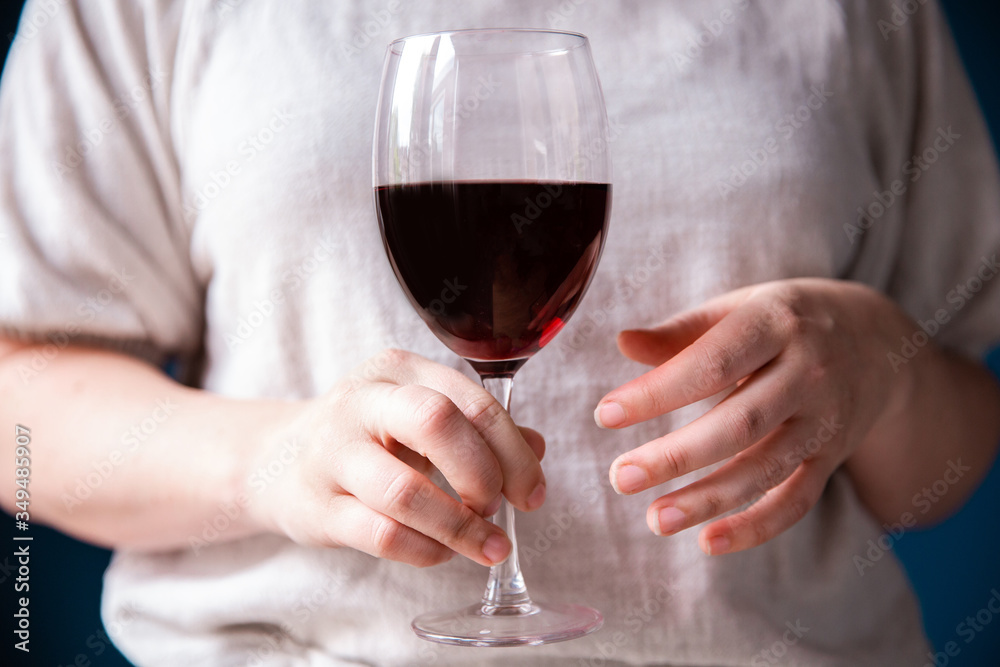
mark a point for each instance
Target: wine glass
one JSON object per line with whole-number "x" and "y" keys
{"x": 493, "y": 191}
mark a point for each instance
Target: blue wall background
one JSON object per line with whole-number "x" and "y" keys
{"x": 955, "y": 567}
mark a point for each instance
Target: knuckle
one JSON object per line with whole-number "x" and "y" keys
{"x": 650, "y": 395}
{"x": 788, "y": 312}
{"x": 388, "y": 538}
{"x": 826, "y": 323}
{"x": 488, "y": 417}
{"x": 435, "y": 415}
{"x": 715, "y": 364}
{"x": 465, "y": 525}
{"x": 486, "y": 414}
{"x": 378, "y": 366}
{"x": 675, "y": 461}
{"x": 392, "y": 358}
{"x": 711, "y": 504}
{"x": 746, "y": 423}
{"x": 785, "y": 319}
{"x": 768, "y": 473}
{"x": 818, "y": 373}
{"x": 408, "y": 493}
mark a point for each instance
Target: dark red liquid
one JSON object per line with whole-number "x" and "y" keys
{"x": 494, "y": 267}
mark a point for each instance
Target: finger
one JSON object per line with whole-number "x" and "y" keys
{"x": 522, "y": 479}
{"x": 535, "y": 440}
{"x": 431, "y": 425}
{"x": 779, "y": 509}
{"x": 752, "y": 411}
{"x": 655, "y": 345}
{"x": 390, "y": 487}
{"x": 741, "y": 342}
{"x": 352, "y": 524}
{"x": 742, "y": 480}
{"x": 650, "y": 347}
{"x": 408, "y": 456}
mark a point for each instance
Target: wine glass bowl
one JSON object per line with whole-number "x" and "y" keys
{"x": 493, "y": 192}
{"x": 494, "y": 290}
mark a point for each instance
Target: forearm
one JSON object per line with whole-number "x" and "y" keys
{"x": 935, "y": 443}
{"x": 123, "y": 456}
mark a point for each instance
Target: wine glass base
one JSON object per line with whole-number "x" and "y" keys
{"x": 529, "y": 624}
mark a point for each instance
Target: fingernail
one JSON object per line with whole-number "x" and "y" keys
{"x": 492, "y": 508}
{"x": 536, "y": 497}
{"x": 670, "y": 520}
{"x": 629, "y": 479}
{"x": 609, "y": 415}
{"x": 719, "y": 544}
{"x": 496, "y": 548}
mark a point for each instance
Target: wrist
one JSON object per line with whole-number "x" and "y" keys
{"x": 897, "y": 383}
{"x": 270, "y": 442}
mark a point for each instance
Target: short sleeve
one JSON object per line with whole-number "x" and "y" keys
{"x": 944, "y": 170}
{"x": 92, "y": 242}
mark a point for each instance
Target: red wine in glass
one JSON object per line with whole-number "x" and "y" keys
{"x": 494, "y": 267}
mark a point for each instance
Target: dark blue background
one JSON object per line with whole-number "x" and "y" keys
{"x": 953, "y": 567}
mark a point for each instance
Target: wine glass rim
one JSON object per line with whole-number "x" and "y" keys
{"x": 582, "y": 39}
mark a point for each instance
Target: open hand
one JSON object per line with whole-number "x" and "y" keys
{"x": 808, "y": 357}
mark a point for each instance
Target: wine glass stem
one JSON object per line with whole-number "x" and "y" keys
{"x": 505, "y": 592}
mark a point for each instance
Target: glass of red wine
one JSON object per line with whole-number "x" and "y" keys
{"x": 493, "y": 191}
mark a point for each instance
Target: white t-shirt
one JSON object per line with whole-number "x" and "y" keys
{"x": 191, "y": 175}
